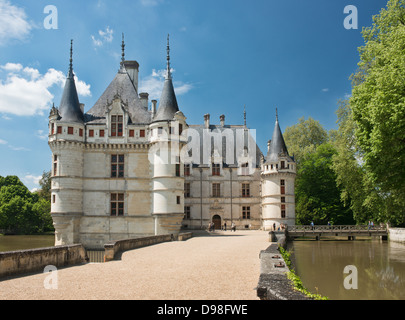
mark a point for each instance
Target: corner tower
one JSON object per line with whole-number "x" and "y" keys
{"x": 167, "y": 169}
{"x": 278, "y": 180}
{"x": 66, "y": 138}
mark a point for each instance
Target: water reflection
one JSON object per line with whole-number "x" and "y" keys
{"x": 380, "y": 268}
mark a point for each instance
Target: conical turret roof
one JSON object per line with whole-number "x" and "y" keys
{"x": 69, "y": 108}
{"x": 277, "y": 145}
{"x": 168, "y": 103}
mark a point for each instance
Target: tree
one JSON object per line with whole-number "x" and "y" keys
{"x": 304, "y": 137}
{"x": 45, "y": 183}
{"x": 22, "y": 211}
{"x": 317, "y": 195}
{"x": 378, "y": 105}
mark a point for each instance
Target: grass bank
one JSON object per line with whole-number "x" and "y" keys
{"x": 296, "y": 280}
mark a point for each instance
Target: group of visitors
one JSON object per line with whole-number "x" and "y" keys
{"x": 211, "y": 226}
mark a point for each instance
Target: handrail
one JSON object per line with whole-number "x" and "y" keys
{"x": 335, "y": 228}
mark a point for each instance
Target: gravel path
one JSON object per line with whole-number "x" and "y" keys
{"x": 219, "y": 266}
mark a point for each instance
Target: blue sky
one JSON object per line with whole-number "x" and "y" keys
{"x": 295, "y": 55}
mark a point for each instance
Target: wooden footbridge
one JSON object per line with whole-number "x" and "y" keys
{"x": 349, "y": 231}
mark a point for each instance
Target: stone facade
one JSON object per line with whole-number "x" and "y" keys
{"x": 122, "y": 170}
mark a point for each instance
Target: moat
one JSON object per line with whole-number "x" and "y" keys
{"x": 380, "y": 268}
{"x": 320, "y": 264}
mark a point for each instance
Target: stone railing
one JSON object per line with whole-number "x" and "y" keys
{"x": 112, "y": 248}
{"x": 35, "y": 260}
{"x": 273, "y": 281}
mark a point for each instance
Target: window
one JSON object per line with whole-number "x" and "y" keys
{"x": 187, "y": 190}
{"x": 245, "y": 212}
{"x": 282, "y": 199}
{"x": 180, "y": 128}
{"x": 117, "y": 204}
{"x": 81, "y": 132}
{"x": 282, "y": 164}
{"x": 117, "y": 166}
{"x": 59, "y": 130}
{"x": 101, "y": 133}
{"x": 132, "y": 133}
{"x": 52, "y": 128}
{"x": 177, "y": 170}
{"x": 53, "y": 198}
{"x": 160, "y": 130}
{"x": 216, "y": 190}
{"x": 187, "y": 212}
{"x": 245, "y": 190}
{"x": 283, "y": 211}
{"x": 116, "y": 126}
{"x": 178, "y": 199}
{"x": 91, "y": 133}
{"x": 245, "y": 169}
{"x": 142, "y": 133}
{"x": 187, "y": 170}
{"x": 282, "y": 186}
{"x": 55, "y": 165}
{"x": 70, "y": 130}
{"x": 216, "y": 169}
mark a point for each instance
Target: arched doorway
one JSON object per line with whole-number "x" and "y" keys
{"x": 217, "y": 222}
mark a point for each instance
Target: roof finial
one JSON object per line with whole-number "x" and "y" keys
{"x": 276, "y": 114}
{"x": 70, "y": 74}
{"x": 169, "y": 76}
{"x": 123, "y": 51}
{"x": 244, "y": 114}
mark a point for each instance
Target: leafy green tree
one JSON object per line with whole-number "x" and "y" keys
{"x": 317, "y": 195}
{"x": 378, "y": 105}
{"x": 45, "y": 183}
{"x": 304, "y": 137}
{"x": 22, "y": 211}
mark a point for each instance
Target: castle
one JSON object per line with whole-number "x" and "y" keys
{"x": 123, "y": 170}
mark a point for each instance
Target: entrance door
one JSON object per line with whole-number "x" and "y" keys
{"x": 217, "y": 222}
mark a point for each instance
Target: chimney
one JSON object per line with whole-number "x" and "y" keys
{"x": 82, "y": 107}
{"x": 268, "y": 145}
{"x": 154, "y": 102}
{"x": 132, "y": 68}
{"x": 222, "y": 119}
{"x": 144, "y": 99}
{"x": 207, "y": 121}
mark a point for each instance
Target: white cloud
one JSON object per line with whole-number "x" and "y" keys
{"x": 26, "y": 92}
{"x": 13, "y": 23}
{"x": 153, "y": 84}
{"x": 32, "y": 180}
{"x": 41, "y": 134}
{"x": 4, "y": 142}
{"x": 106, "y": 36}
{"x": 325, "y": 90}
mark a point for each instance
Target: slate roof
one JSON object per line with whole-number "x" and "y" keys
{"x": 168, "y": 103}
{"x": 277, "y": 145}
{"x": 123, "y": 86}
{"x": 69, "y": 108}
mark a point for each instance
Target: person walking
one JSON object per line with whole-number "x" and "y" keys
{"x": 224, "y": 225}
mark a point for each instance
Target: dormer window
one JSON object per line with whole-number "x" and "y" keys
{"x": 116, "y": 126}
